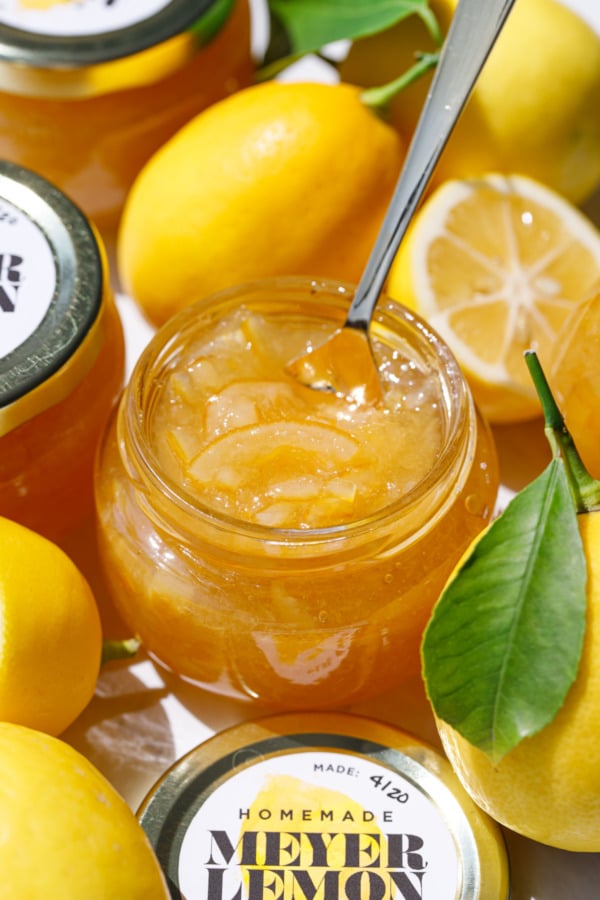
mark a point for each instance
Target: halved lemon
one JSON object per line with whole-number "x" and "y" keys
{"x": 495, "y": 265}
{"x": 574, "y": 377}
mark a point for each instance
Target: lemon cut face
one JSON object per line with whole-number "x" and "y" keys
{"x": 574, "y": 377}
{"x": 496, "y": 264}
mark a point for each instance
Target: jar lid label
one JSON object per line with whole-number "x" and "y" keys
{"x": 320, "y": 805}
{"x": 27, "y": 277}
{"x": 57, "y": 17}
{"x": 329, "y": 819}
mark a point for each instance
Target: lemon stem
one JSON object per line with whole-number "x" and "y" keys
{"x": 124, "y": 648}
{"x": 379, "y": 97}
{"x": 584, "y": 489}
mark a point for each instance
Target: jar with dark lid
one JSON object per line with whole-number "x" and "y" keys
{"x": 88, "y": 91}
{"x": 61, "y": 353}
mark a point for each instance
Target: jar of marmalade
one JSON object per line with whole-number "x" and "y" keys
{"x": 323, "y": 805}
{"x": 89, "y": 90}
{"x": 274, "y": 542}
{"x": 61, "y": 354}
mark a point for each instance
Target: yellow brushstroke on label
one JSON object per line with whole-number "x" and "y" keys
{"x": 42, "y": 4}
{"x": 299, "y": 833}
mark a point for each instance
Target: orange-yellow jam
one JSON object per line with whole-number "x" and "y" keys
{"x": 253, "y": 443}
{"x": 269, "y": 541}
{"x": 88, "y": 110}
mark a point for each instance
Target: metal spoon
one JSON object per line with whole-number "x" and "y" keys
{"x": 344, "y": 364}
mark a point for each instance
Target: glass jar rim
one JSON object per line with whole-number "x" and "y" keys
{"x": 458, "y": 442}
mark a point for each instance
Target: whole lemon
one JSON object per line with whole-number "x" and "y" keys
{"x": 279, "y": 179}
{"x": 65, "y": 833}
{"x": 534, "y": 109}
{"x": 548, "y": 787}
{"x": 50, "y": 632}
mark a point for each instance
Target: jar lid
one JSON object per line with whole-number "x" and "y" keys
{"x": 326, "y": 805}
{"x": 81, "y": 49}
{"x": 52, "y": 283}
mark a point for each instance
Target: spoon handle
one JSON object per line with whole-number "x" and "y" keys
{"x": 473, "y": 32}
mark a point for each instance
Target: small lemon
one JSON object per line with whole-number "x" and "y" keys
{"x": 548, "y": 787}
{"x": 279, "y": 179}
{"x": 50, "y": 632}
{"x": 65, "y": 832}
{"x": 534, "y": 109}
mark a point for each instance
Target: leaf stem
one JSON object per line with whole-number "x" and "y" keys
{"x": 124, "y": 648}
{"x": 431, "y": 23}
{"x": 584, "y": 489}
{"x": 379, "y": 97}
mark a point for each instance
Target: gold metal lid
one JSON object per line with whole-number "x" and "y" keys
{"x": 73, "y": 49}
{"x": 322, "y": 805}
{"x": 52, "y": 285}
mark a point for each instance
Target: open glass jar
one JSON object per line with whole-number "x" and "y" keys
{"x": 61, "y": 354}
{"x": 273, "y": 542}
{"x": 88, "y": 91}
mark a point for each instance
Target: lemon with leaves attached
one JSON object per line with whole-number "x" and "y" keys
{"x": 534, "y": 109}
{"x": 548, "y": 787}
{"x": 66, "y": 834}
{"x": 279, "y": 179}
{"x": 50, "y": 633}
{"x": 511, "y": 655}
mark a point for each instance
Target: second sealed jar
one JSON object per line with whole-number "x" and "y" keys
{"x": 89, "y": 91}
{"x": 277, "y": 543}
{"x": 61, "y": 354}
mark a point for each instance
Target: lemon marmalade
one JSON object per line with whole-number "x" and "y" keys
{"x": 89, "y": 91}
{"x": 270, "y": 541}
{"x": 61, "y": 354}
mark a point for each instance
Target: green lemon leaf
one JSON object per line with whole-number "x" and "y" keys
{"x": 503, "y": 644}
{"x": 304, "y": 26}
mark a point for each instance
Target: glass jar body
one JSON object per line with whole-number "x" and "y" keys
{"x": 92, "y": 147}
{"x": 295, "y": 619}
{"x": 47, "y": 463}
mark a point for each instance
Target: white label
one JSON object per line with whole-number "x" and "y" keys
{"x": 319, "y": 824}
{"x": 27, "y": 277}
{"x": 77, "y": 17}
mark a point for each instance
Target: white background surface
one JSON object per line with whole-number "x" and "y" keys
{"x": 142, "y": 719}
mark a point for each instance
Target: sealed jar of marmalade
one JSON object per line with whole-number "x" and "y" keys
{"x": 321, "y": 805}
{"x": 61, "y": 353}
{"x": 277, "y": 543}
{"x": 89, "y": 90}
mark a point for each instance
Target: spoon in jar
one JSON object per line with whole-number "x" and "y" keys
{"x": 344, "y": 363}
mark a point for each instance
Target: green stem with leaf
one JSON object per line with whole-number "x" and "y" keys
{"x": 380, "y": 97}
{"x": 516, "y": 605}
{"x": 299, "y": 28}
